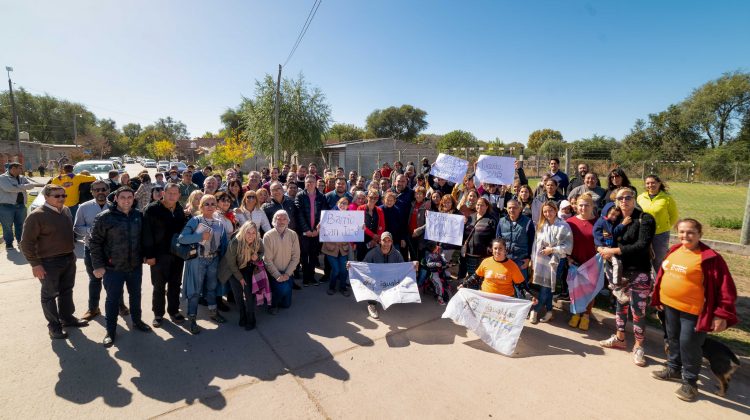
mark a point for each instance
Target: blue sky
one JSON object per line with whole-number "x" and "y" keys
{"x": 495, "y": 68}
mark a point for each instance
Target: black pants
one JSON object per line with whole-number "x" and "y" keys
{"x": 57, "y": 290}
{"x": 244, "y": 297}
{"x": 685, "y": 344}
{"x": 166, "y": 277}
{"x": 309, "y": 250}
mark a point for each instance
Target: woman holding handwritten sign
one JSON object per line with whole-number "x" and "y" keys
{"x": 337, "y": 254}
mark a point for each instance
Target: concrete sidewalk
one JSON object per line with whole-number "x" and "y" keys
{"x": 324, "y": 358}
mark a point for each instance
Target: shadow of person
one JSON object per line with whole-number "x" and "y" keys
{"x": 16, "y": 257}
{"x": 420, "y": 323}
{"x": 537, "y": 342}
{"x": 87, "y": 372}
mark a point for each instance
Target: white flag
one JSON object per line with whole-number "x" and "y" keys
{"x": 497, "y": 319}
{"x": 385, "y": 283}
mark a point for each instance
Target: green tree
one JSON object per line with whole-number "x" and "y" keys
{"x": 172, "y": 129}
{"x": 304, "y": 116}
{"x": 594, "y": 147}
{"x": 403, "y": 123}
{"x": 163, "y": 149}
{"x": 131, "y": 130}
{"x": 538, "y": 137}
{"x": 553, "y": 148}
{"x": 143, "y": 145}
{"x": 231, "y": 152}
{"x": 457, "y": 138}
{"x": 719, "y": 106}
{"x": 233, "y": 122}
{"x": 345, "y": 132}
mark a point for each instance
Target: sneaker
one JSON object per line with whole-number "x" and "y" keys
{"x": 109, "y": 340}
{"x": 574, "y": 321}
{"x": 373, "y": 310}
{"x": 666, "y": 374}
{"x": 534, "y": 317}
{"x": 687, "y": 392}
{"x": 584, "y": 324}
{"x": 440, "y": 300}
{"x": 91, "y": 314}
{"x": 639, "y": 356}
{"x": 549, "y": 316}
{"x": 124, "y": 311}
{"x": 216, "y": 316}
{"x": 156, "y": 323}
{"x": 613, "y": 343}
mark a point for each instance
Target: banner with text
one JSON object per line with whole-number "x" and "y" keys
{"x": 444, "y": 228}
{"x": 342, "y": 226}
{"x": 497, "y": 319}
{"x": 498, "y": 170}
{"x": 450, "y": 167}
{"x": 385, "y": 283}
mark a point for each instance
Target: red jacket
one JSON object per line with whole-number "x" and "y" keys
{"x": 718, "y": 286}
{"x": 381, "y": 221}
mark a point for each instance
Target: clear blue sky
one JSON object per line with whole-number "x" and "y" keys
{"x": 495, "y": 68}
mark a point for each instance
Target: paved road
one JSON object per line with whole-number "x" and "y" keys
{"x": 323, "y": 358}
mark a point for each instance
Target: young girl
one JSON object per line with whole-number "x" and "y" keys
{"x": 435, "y": 269}
{"x": 496, "y": 274}
{"x": 554, "y": 241}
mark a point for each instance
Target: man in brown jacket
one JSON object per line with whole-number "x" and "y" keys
{"x": 48, "y": 245}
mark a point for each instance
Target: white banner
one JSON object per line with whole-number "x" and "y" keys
{"x": 444, "y": 228}
{"x": 450, "y": 167}
{"x": 342, "y": 226}
{"x": 496, "y": 169}
{"x": 497, "y": 319}
{"x": 385, "y": 283}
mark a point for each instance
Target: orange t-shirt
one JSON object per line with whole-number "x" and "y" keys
{"x": 682, "y": 282}
{"x": 499, "y": 276}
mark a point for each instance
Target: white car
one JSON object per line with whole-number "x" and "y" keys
{"x": 97, "y": 168}
{"x": 149, "y": 163}
{"x": 163, "y": 166}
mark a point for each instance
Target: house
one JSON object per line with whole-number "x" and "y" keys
{"x": 191, "y": 149}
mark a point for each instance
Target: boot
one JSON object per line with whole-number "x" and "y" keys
{"x": 194, "y": 328}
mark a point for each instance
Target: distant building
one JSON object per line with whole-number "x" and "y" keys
{"x": 191, "y": 149}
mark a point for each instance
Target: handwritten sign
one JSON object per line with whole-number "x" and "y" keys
{"x": 497, "y": 319}
{"x": 384, "y": 283}
{"x": 342, "y": 226}
{"x": 450, "y": 167}
{"x": 444, "y": 227}
{"x": 496, "y": 169}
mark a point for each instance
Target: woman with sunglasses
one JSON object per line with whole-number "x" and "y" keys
{"x": 634, "y": 249}
{"x": 250, "y": 210}
{"x": 617, "y": 178}
{"x": 201, "y": 273}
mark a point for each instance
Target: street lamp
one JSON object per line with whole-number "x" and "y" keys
{"x": 75, "y": 128}
{"x": 15, "y": 114}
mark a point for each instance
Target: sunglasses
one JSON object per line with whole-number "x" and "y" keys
{"x": 59, "y": 195}
{"x": 99, "y": 190}
{"x": 625, "y": 198}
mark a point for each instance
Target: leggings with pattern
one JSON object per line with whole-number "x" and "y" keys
{"x": 640, "y": 290}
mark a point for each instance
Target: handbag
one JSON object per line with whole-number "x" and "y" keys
{"x": 184, "y": 251}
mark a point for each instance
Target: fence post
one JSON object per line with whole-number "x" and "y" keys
{"x": 745, "y": 236}
{"x": 643, "y": 172}
{"x": 378, "y": 159}
{"x": 359, "y": 157}
{"x": 536, "y": 166}
{"x": 567, "y": 160}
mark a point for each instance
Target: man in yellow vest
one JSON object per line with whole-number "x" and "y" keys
{"x": 71, "y": 183}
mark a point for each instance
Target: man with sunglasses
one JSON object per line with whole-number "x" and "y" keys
{"x": 48, "y": 244}
{"x": 82, "y": 225}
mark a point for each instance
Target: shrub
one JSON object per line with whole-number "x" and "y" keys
{"x": 726, "y": 222}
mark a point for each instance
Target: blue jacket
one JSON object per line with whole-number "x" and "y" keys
{"x": 605, "y": 232}
{"x": 332, "y": 198}
{"x": 518, "y": 235}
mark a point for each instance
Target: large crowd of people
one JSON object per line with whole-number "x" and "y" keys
{"x": 215, "y": 239}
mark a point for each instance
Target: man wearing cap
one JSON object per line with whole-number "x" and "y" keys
{"x": 13, "y": 198}
{"x": 384, "y": 253}
{"x": 48, "y": 244}
{"x": 71, "y": 183}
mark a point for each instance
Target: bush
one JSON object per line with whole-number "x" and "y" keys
{"x": 726, "y": 222}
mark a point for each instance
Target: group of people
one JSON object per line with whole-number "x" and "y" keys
{"x": 214, "y": 239}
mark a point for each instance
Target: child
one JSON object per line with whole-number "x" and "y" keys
{"x": 566, "y": 210}
{"x": 435, "y": 266}
{"x": 606, "y": 232}
{"x": 496, "y": 274}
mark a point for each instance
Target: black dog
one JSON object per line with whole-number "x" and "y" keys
{"x": 721, "y": 359}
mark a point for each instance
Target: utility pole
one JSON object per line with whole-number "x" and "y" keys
{"x": 745, "y": 235}
{"x": 15, "y": 115}
{"x": 276, "y": 121}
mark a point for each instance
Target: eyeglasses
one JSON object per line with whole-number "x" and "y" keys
{"x": 625, "y": 198}
{"x": 209, "y": 204}
{"x": 59, "y": 195}
{"x": 99, "y": 189}
{"x": 252, "y": 197}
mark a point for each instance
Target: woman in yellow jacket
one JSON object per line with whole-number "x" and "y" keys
{"x": 657, "y": 202}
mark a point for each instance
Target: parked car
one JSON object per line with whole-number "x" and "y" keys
{"x": 97, "y": 168}
{"x": 163, "y": 166}
{"x": 149, "y": 163}
{"x": 181, "y": 166}
{"x": 129, "y": 160}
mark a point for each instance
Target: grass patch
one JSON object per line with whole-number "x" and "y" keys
{"x": 725, "y": 222}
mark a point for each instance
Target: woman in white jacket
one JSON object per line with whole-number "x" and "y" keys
{"x": 249, "y": 209}
{"x": 554, "y": 240}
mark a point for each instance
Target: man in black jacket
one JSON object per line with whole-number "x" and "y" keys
{"x": 116, "y": 256}
{"x": 161, "y": 221}
{"x": 309, "y": 202}
{"x": 279, "y": 201}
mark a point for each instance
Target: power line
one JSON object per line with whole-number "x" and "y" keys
{"x": 303, "y": 31}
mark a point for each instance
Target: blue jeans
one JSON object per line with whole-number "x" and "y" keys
{"x": 545, "y": 299}
{"x": 338, "y": 271}
{"x": 12, "y": 216}
{"x": 113, "y": 283}
{"x": 661, "y": 247}
{"x": 206, "y": 270}
{"x": 95, "y": 284}
{"x": 281, "y": 293}
{"x": 685, "y": 344}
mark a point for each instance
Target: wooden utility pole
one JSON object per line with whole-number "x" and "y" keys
{"x": 745, "y": 236}
{"x": 276, "y": 121}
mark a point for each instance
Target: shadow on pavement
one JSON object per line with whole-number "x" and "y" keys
{"x": 537, "y": 342}
{"x": 16, "y": 257}
{"x": 87, "y": 372}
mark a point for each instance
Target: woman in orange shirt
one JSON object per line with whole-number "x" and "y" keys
{"x": 697, "y": 294}
{"x": 496, "y": 274}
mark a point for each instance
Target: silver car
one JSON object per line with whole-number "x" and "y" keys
{"x": 97, "y": 168}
